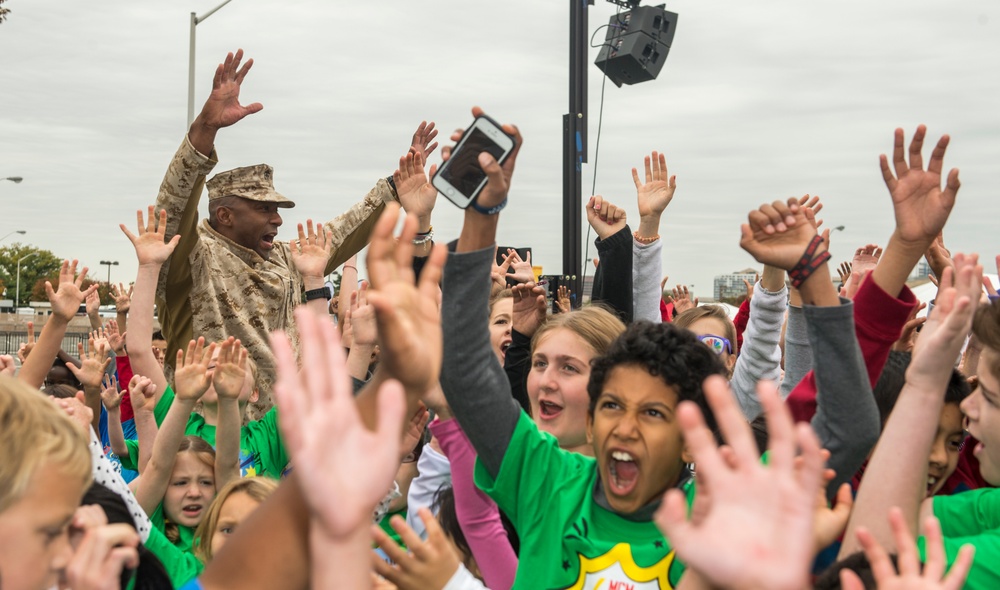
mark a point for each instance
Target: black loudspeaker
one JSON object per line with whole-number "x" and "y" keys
{"x": 637, "y": 44}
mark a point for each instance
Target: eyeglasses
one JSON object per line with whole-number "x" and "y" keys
{"x": 717, "y": 343}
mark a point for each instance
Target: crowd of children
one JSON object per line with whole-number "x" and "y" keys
{"x": 443, "y": 430}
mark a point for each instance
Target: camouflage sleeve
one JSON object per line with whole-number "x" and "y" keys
{"x": 352, "y": 229}
{"x": 180, "y": 193}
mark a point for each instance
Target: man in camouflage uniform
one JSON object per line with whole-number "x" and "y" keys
{"x": 228, "y": 276}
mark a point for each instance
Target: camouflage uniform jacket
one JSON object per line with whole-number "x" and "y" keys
{"x": 215, "y": 288}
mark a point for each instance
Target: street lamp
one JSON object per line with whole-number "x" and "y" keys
{"x": 17, "y": 231}
{"x": 14, "y": 179}
{"x": 17, "y": 288}
{"x": 109, "y": 264}
{"x": 195, "y": 19}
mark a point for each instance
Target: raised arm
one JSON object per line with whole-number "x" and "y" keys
{"x": 94, "y": 360}
{"x": 351, "y": 466}
{"x": 191, "y": 380}
{"x": 896, "y": 475}
{"x": 473, "y": 381}
{"x": 182, "y": 186}
{"x": 352, "y": 229}
{"x": 143, "y": 394}
{"x": 152, "y": 251}
{"x": 653, "y": 196}
{"x": 364, "y": 334}
{"x": 613, "y": 277}
{"x": 309, "y": 255}
{"x": 228, "y": 377}
{"x": 111, "y": 397}
{"x": 883, "y": 302}
{"x": 65, "y": 303}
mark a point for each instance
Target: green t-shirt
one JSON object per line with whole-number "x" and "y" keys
{"x": 185, "y": 539}
{"x": 567, "y": 540}
{"x": 971, "y": 518}
{"x": 262, "y": 452}
{"x": 181, "y": 566}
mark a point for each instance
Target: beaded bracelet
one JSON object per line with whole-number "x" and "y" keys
{"x": 643, "y": 240}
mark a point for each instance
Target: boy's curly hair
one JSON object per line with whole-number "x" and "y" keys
{"x": 673, "y": 354}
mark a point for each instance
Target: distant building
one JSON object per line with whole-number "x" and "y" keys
{"x": 731, "y": 285}
{"x": 922, "y": 271}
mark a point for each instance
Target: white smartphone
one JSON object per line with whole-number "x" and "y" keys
{"x": 461, "y": 179}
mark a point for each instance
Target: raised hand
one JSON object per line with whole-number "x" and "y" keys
{"x": 938, "y": 256}
{"x": 223, "y": 107}
{"x": 311, "y": 251}
{"x": 150, "y": 247}
{"x": 100, "y": 338}
{"x": 909, "y": 333}
{"x": 66, "y": 301}
{"x": 529, "y": 308}
{"x": 25, "y": 348}
{"x": 116, "y": 340}
{"x": 191, "y": 378}
{"x": 813, "y": 204}
{"x": 110, "y": 396}
{"x": 523, "y": 272}
{"x": 865, "y": 260}
{"x": 912, "y": 575}
{"x": 498, "y": 177}
{"x": 123, "y": 297}
{"x": 605, "y": 218}
{"x": 427, "y": 564}
{"x": 416, "y": 194}
{"x": 421, "y": 144}
{"x": 230, "y": 369}
{"x": 563, "y": 299}
{"x": 142, "y": 392}
{"x": 351, "y": 466}
{"x": 920, "y": 206}
{"x": 749, "y": 286}
{"x": 499, "y": 273}
{"x": 758, "y": 530}
{"x": 681, "y": 298}
{"x": 844, "y": 271}
{"x": 363, "y": 324}
{"x": 94, "y": 360}
{"x": 829, "y": 522}
{"x": 991, "y": 290}
{"x": 779, "y": 233}
{"x": 947, "y": 325}
{"x": 7, "y": 366}
{"x": 409, "y": 321}
{"x": 654, "y": 194}
{"x": 93, "y": 302}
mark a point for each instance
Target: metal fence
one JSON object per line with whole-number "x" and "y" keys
{"x": 10, "y": 341}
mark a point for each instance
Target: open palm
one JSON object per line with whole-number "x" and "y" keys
{"x": 921, "y": 206}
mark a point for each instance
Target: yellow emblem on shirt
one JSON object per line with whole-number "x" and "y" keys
{"x": 617, "y": 570}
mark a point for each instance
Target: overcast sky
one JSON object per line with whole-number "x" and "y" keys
{"x": 757, "y": 101}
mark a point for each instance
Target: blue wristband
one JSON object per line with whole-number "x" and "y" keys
{"x": 491, "y": 211}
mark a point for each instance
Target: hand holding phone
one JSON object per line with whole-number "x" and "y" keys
{"x": 461, "y": 179}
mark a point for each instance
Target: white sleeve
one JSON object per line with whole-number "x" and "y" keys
{"x": 106, "y": 473}
{"x": 463, "y": 580}
{"x": 647, "y": 269}
{"x": 760, "y": 357}
{"x": 434, "y": 473}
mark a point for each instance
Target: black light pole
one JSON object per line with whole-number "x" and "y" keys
{"x": 575, "y": 146}
{"x": 109, "y": 264}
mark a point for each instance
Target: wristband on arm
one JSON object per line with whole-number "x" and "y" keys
{"x": 809, "y": 262}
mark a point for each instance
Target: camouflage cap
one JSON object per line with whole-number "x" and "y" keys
{"x": 249, "y": 182}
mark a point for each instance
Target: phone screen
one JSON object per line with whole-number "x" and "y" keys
{"x": 463, "y": 171}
